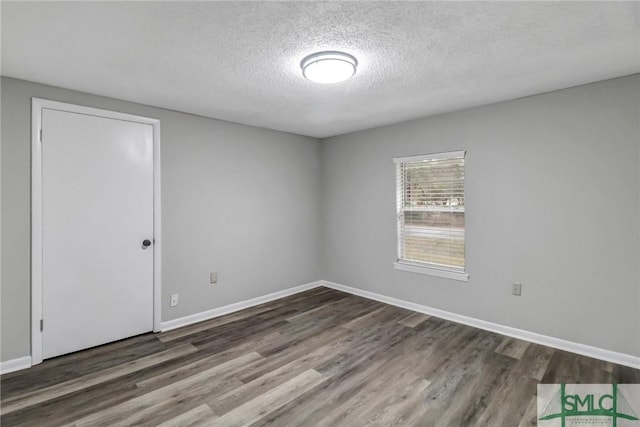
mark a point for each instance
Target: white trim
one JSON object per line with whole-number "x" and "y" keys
{"x": 431, "y": 271}
{"x": 231, "y": 308}
{"x": 37, "y": 105}
{"x": 583, "y": 349}
{"x": 157, "y": 230}
{"x": 36, "y": 232}
{"x": 15, "y": 364}
{"x": 586, "y": 350}
{"x": 81, "y": 109}
{"x": 434, "y": 156}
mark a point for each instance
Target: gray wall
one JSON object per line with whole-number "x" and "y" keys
{"x": 238, "y": 200}
{"x": 552, "y": 198}
{"x": 553, "y": 201}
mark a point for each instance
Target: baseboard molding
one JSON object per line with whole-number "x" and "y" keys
{"x": 585, "y": 350}
{"x": 15, "y": 364}
{"x": 227, "y": 309}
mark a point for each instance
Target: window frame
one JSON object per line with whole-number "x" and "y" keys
{"x": 449, "y": 272}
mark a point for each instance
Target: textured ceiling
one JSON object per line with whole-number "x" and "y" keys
{"x": 239, "y": 61}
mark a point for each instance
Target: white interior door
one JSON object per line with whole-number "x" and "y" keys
{"x": 97, "y": 210}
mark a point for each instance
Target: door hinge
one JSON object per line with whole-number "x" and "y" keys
{"x": 41, "y": 325}
{"x": 40, "y": 135}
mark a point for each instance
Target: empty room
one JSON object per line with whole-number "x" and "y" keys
{"x": 320, "y": 213}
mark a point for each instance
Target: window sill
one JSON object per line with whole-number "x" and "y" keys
{"x": 462, "y": 277}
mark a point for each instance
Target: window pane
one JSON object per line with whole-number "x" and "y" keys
{"x": 431, "y": 227}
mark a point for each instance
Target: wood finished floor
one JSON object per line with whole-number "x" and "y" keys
{"x": 318, "y": 358}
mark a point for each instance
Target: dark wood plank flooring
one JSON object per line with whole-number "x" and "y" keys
{"x": 318, "y": 358}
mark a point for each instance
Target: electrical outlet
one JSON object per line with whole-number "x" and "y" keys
{"x": 174, "y": 300}
{"x": 516, "y": 289}
{"x": 213, "y": 278}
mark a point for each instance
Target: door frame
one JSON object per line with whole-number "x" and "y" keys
{"x": 37, "y": 106}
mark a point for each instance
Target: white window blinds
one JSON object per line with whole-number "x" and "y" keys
{"x": 430, "y": 208}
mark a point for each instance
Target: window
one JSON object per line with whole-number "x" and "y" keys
{"x": 430, "y": 209}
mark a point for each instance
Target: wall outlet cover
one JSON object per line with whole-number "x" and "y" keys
{"x": 516, "y": 289}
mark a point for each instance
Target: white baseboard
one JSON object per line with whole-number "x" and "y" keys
{"x": 227, "y": 309}
{"x": 15, "y": 364}
{"x": 585, "y": 350}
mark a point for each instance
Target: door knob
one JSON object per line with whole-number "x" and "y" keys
{"x": 146, "y": 243}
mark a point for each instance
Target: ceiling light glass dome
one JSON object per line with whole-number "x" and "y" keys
{"x": 328, "y": 67}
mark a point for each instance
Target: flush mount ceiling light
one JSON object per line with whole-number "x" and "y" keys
{"x": 328, "y": 67}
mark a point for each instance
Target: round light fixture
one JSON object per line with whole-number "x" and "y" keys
{"x": 328, "y": 67}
